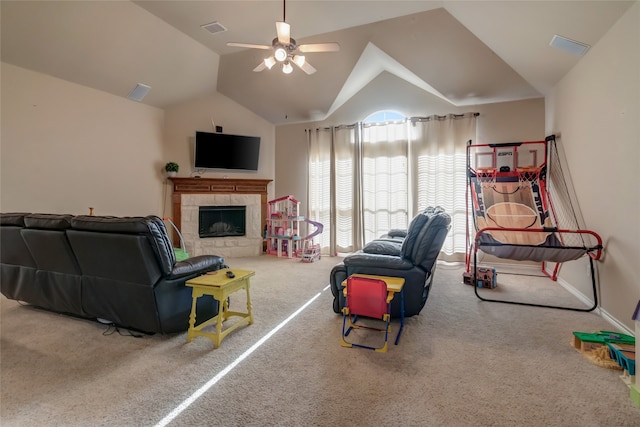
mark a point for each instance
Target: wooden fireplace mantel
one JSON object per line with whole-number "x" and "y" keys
{"x": 218, "y": 186}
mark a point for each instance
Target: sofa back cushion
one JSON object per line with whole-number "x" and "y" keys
{"x": 58, "y": 275}
{"x": 15, "y": 219}
{"x": 141, "y": 235}
{"x": 17, "y": 267}
{"x": 13, "y": 250}
{"x": 122, "y": 261}
{"x": 415, "y": 226}
{"x": 425, "y": 237}
{"x": 45, "y": 236}
{"x": 60, "y": 222}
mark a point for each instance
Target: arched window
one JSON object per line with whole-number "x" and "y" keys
{"x": 383, "y": 116}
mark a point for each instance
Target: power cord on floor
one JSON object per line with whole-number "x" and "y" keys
{"x": 113, "y": 328}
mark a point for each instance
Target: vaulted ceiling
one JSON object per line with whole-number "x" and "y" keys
{"x": 464, "y": 52}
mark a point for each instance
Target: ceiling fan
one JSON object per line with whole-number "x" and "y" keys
{"x": 285, "y": 49}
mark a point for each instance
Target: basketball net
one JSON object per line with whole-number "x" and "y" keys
{"x": 528, "y": 175}
{"x": 486, "y": 175}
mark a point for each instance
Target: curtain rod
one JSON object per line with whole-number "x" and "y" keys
{"x": 409, "y": 119}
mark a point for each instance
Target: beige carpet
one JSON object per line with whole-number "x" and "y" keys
{"x": 461, "y": 362}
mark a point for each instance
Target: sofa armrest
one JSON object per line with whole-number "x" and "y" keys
{"x": 196, "y": 265}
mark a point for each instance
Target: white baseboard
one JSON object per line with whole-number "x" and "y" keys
{"x": 588, "y": 301}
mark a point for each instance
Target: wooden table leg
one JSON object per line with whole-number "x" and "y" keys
{"x": 249, "y": 302}
{"x": 192, "y": 316}
{"x": 222, "y": 311}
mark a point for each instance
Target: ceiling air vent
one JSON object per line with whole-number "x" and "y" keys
{"x": 568, "y": 45}
{"x": 214, "y": 27}
{"x": 139, "y": 92}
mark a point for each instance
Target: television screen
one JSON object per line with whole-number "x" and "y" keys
{"x": 225, "y": 151}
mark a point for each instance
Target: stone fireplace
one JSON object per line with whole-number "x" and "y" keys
{"x": 228, "y": 197}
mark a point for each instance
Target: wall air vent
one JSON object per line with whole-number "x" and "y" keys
{"x": 214, "y": 27}
{"x": 568, "y": 45}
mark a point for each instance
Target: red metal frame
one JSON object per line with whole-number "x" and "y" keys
{"x": 594, "y": 252}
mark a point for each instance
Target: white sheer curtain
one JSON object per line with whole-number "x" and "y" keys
{"x": 439, "y": 156}
{"x": 385, "y": 178}
{"x": 319, "y": 183}
{"x": 345, "y": 188}
{"x": 365, "y": 180}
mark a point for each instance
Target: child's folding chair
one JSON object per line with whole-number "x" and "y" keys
{"x": 369, "y": 298}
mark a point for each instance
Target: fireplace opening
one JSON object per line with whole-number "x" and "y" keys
{"x": 222, "y": 221}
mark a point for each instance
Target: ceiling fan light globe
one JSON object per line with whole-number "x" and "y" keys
{"x": 269, "y": 62}
{"x": 280, "y": 54}
{"x": 284, "y": 32}
{"x": 287, "y": 68}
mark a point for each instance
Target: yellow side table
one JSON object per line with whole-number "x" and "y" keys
{"x": 219, "y": 286}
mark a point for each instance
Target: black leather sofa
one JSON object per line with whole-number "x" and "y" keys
{"x": 119, "y": 269}
{"x": 410, "y": 254}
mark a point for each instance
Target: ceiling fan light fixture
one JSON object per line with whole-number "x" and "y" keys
{"x": 298, "y": 60}
{"x": 280, "y": 54}
{"x": 286, "y": 50}
{"x": 269, "y": 62}
{"x": 284, "y": 32}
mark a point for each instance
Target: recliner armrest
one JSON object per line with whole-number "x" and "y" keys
{"x": 360, "y": 259}
{"x": 383, "y": 247}
{"x": 397, "y": 233}
{"x": 196, "y": 265}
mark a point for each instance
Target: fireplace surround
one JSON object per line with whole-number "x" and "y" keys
{"x": 191, "y": 193}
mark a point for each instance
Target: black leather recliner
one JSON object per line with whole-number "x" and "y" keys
{"x": 411, "y": 255}
{"x": 121, "y": 269}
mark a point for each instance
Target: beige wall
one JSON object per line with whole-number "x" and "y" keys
{"x": 66, "y": 148}
{"x": 182, "y": 121}
{"x": 500, "y": 122}
{"x": 596, "y": 111}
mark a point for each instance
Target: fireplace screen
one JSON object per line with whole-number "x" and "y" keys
{"x": 222, "y": 221}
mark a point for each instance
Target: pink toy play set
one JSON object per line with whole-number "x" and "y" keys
{"x": 283, "y": 231}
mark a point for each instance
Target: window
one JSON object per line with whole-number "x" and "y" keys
{"x": 384, "y": 116}
{"x": 374, "y": 176}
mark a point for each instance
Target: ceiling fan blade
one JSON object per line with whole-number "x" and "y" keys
{"x": 260, "y": 67}
{"x": 301, "y": 62}
{"x": 319, "y": 47}
{"x": 307, "y": 68}
{"x": 284, "y": 32}
{"x": 252, "y": 46}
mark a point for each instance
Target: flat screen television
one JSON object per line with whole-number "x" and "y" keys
{"x": 225, "y": 151}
